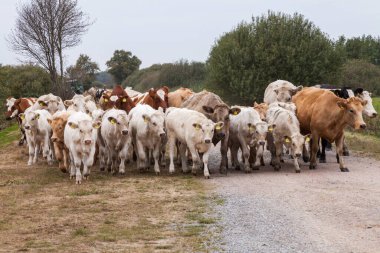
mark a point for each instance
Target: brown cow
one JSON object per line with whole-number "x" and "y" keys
{"x": 155, "y": 98}
{"x": 261, "y": 109}
{"x": 325, "y": 115}
{"x": 14, "y": 108}
{"x": 118, "y": 98}
{"x": 58, "y": 123}
{"x": 177, "y": 97}
{"x": 215, "y": 109}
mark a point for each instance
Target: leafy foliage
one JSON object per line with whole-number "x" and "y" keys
{"x": 122, "y": 64}
{"x": 364, "y": 47}
{"x": 274, "y": 46}
{"x": 83, "y": 71}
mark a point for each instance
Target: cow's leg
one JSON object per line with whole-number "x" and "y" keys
{"x": 172, "y": 145}
{"x": 322, "y": 157}
{"x": 102, "y": 158}
{"x": 36, "y": 151}
{"x": 109, "y": 159}
{"x": 31, "y": 148}
{"x": 156, "y": 156}
{"x": 245, "y": 154}
{"x": 272, "y": 148}
{"x": 314, "y": 150}
{"x": 234, "y": 148}
{"x": 223, "y": 152}
{"x": 114, "y": 156}
{"x": 142, "y": 156}
{"x": 195, "y": 158}
{"x": 72, "y": 165}
{"x": 47, "y": 149}
{"x": 305, "y": 153}
{"x": 182, "y": 154}
{"x": 77, "y": 163}
{"x": 277, "y": 163}
{"x": 259, "y": 156}
{"x": 65, "y": 161}
{"x": 339, "y": 148}
{"x": 346, "y": 152}
{"x": 206, "y": 172}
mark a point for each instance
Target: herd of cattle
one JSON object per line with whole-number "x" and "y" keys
{"x": 112, "y": 127}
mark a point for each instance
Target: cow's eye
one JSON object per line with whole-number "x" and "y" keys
{"x": 87, "y": 111}
{"x": 154, "y": 124}
{"x": 81, "y": 131}
{"x": 75, "y": 105}
{"x": 351, "y": 111}
{"x": 227, "y": 118}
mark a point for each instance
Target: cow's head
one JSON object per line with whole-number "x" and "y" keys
{"x": 120, "y": 122}
{"x": 58, "y": 127}
{"x": 353, "y": 108}
{"x": 86, "y": 130}
{"x": 296, "y": 144}
{"x": 368, "y": 110}
{"x": 207, "y": 130}
{"x": 97, "y": 115}
{"x": 158, "y": 98}
{"x": 108, "y": 101}
{"x": 261, "y": 130}
{"x": 285, "y": 93}
{"x": 156, "y": 123}
{"x": 12, "y": 108}
{"x": 124, "y": 102}
{"x": 29, "y": 120}
{"x": 78, "y": 103}
{"x": 49, "y": 102}
{"x": 290, "y": 106}
{"x": 261, "y": 109}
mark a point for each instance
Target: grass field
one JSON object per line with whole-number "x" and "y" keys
{"x": 42, "y": 210}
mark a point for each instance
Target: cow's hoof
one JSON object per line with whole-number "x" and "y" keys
{"x": 322, "y": 160}
{"x": 282, "y": 160}
{"x": 207, "y": 177}
{"x": 255, "y": 167}
{"x": 344, "y": 170}
{"x": 262, "y": 164}
{"x": 157, "y": 173}
{"x": 346, "y": 153}
{"x": 306, "y": 159}
{"x": 277, "y": 168}
{"x": 86, "y": 177}
{"x": 20, "y": 143}
{"x": 122, "y": 172}
{"x": 223, "y": 170}
{"x": 102, "y": 169}
{"x": 298, "y": 171}
{"x": 237, "y": 167}
{"x": 63, "y": 170}
{"x": 194, "y": 173}
{"x": 312, "y": 167}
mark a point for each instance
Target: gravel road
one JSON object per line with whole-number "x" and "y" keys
{"x": 323, "y": 210}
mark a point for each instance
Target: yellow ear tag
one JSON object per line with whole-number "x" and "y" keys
{"x": 124, "y": 100}
{"x": 270, "y": 129}
{"x": 22, "y": 116}
{"x": 106, "y": 100}
{"x": 287, "y": 140}
{"x": 73, "y": 126}
{"x": 41, "y": 103}
{"x": 235, "y": 112}
{"x": 145, "y": 120}
{"x": 307, "y": 139}
{"x": 251, "y": 129}
{"x": 197, "y": 127}
{"x": 341, "y": 107}
{"x": 113, "y": 121}
{"x": 217, "y": 127}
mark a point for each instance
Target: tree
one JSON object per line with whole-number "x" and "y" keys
{"x": 364, "y": 47}
{"x": 44, "y": 29}
{"x": 274, "y": 46}
{"x": 83, "y": 71}
{"x": 122, "y": 64}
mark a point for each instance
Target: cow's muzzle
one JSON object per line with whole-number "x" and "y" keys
{"x": 87, "y": 142}
{"x": 208, "y": 141}
{"x": 124, "y": 132}
{"x": 363, "y": 126}
{"x": 27, "y": 127}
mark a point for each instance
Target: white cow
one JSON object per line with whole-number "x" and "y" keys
{"x": 248, "y": 133}
{"x": 280, "y": 91}
{"x": 148, "y": 133}
{"x": 286, "y": 133}
{"x": 194, "y": 131}
{"x": 49, "y": 102}
{"x": 38, "y": 132}
{"x": 97, "y": 116}
{"x": 80, "y": 103}
{"x": 132, "y": 93}
{"x": 114, "y": 131}
{"x": 80, "y": 137}
{"x": 368, "y": 110}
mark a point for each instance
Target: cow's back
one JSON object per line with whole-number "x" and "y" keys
{"x": 203, "y": 98}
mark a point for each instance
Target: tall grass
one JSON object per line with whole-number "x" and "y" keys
{"x": 373, "y": 125}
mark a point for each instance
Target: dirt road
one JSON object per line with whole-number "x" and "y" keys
{"x": 316, "y": 211}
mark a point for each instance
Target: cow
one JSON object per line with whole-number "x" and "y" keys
{"x": 80, "y": 137}
{"x": 155, "y": 98}
{"x": 262, "y": 109}
{"x": 58, "y": 123}
{"x": 132, "y": 93}
{"x": 195, "y": 132}
{"x": 177, "y": 97}
{"x": 212, "y": 106}
{"x": 248, "y": 133}
{"x": 14, "y": 108}
{"x": 148, "y": 134}
{"x": 280, "y": 91}
{"x": 323, "y": 114}
{"x": 286, "y": 132}
{"x": 49, "y": 102}
{"x": 114, "y": 132}
{"x": 38, "y": 132}
{"x": 80, "y": 103}
{"x": 97, "y": 116}
{"x": 368, "y": 110}
{"x": 118, "y": 99}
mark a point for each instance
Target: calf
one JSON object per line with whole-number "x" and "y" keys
{"x": 80, "y": 137}
{"x": 117, "y": 140}
{"x": 58, "y": 124}
{"x": 280, "y": 91}
{"x": 325, "y": 115}
{"x": 286, "y": 132}
{"x": 261, "y": 109}
{"x": 118, "y": 99}
{"x": 155, "y": 98}
{"x": 212, "y": 106}
{"x": 101, "y": 152}
{"x": 195, "y": 132}
{"x": 38, "y": 132}
{"x": 177, "y": 97}
{"x": 148, "y": 134}
{"x": 247, "y": 132}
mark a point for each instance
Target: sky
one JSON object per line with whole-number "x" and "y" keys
{"x": 161, "y": 31}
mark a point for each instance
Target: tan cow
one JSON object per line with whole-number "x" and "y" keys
{"x": 177, "y": 97}
{"x": 261, "y": 109}
{"x": 325, "y": 115}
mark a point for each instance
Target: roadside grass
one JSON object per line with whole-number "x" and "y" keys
{"x": 8, "y": 135}
{"x": 41, "y": 209}
{"x": 363, "y": 144}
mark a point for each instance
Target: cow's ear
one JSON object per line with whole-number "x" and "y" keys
{"x": 370, "y": 94}
{"x": 235, "y": 111}
{"x": 364, "y": 102}
{"x": 49, "y": 121}
{"x": 72, "y": 125}
{"x": 255, "y": 104}
{"x": 275, "y": 91}
{"x": 152, "y": 92}
{"x": 37, "y": 115}
{"x": 88, "y": 98}
{"x": 297, "y": 89}
{"x": 146, "y": 118}
{"x": 307, "y": 137}
{"x": 342, "y": 104}
{"x": 21, "y": 116}
{"x": 96, "y": 124}
{"x": 42, "y": 103}
{"x": 219, "y": 125}
{"x": 112, "y": 120}
{"x": 106, "y": 99}
{"x": 271, "y": 127}
{"x": 208, "y": 109}
{"x": 165, "y": 88}
{"x": 251, "y": 127}
{"x": 358, "y": 91}
{"x": 287, "y": 139}
{"x": 68, "y": 102}
{"x": 160, "y": 109}
{"x": 197, "y": 126}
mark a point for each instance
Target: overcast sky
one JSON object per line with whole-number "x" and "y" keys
{"x": 159, "y": 31}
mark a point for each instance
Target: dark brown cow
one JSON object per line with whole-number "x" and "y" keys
{"x": 156, "y": 98}
{"x": 118, "y": 98}
{"x": 215, "y": 109}
{"x": 325, "y": 115}
{"x": 14, "y": 108}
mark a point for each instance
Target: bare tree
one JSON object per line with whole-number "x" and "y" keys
{"x": 44, "y": 29}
